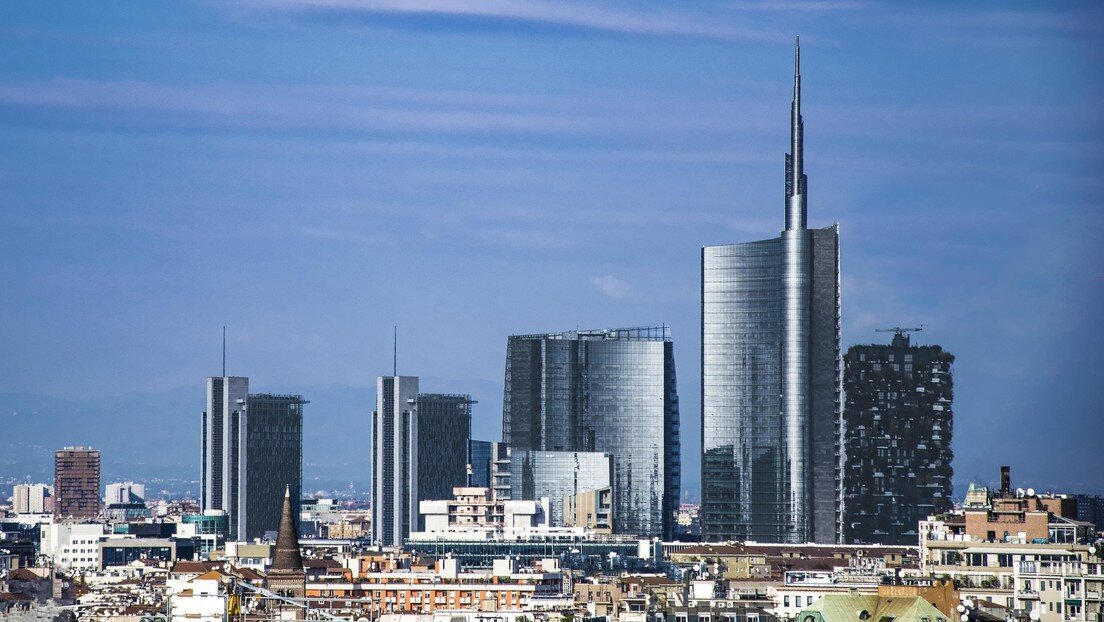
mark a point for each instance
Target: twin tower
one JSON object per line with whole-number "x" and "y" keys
{"x": 771, "y": 458}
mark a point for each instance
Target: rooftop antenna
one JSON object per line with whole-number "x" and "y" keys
{"x": 224, "y": 351}
{"x": 395, "y": 353}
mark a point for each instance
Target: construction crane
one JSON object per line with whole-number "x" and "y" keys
{"x": 900, "y": 332}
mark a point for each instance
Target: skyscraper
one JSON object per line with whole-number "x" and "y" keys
{"x": 444, "y": 430}
{"x": 394, "y": 459}
{"x": 77, "y": 482}
{"x": 30, "y": 498}
{"x": 251, "y": 450}
{"x": 770, "y": 376}
{"x": 609, "y": 391}
{"x": 897, "y": 422}
{"x": 479, "y": 463}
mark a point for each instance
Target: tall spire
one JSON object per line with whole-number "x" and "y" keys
{"x": 795, "y": 165}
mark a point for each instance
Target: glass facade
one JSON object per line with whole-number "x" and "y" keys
{"x": 609, "y": 391}
{"x": 479, "y": 463}
{"x": 444, "y": 430}
{"x": 770, "y": 377}
{"x": 557, "y": 474}
{"x": 274, "y": 459}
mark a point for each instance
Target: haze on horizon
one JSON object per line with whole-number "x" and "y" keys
{"x": 311, "y": 173}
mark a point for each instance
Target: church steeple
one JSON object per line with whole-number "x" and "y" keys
{"x": 286, "y": 576}
{"x": 796, "y": 204}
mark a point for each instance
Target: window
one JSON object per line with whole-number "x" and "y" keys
{"x": 786, "y": 600}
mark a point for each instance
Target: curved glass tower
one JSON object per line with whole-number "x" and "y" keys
{"x": 609, "y": 391}
{"x": 770, "y": 376}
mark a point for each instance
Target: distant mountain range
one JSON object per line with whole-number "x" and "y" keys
{"x": 154, "y": 437}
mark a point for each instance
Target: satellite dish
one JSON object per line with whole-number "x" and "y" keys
{"x": 1019, "y": 492}
{"x": 1031, "y": 492}
{"x": 1034, "y": 615}
{"x": 964, "y": 617}
{"x": 961, "y": 607}
{"x": 969, "y": 603}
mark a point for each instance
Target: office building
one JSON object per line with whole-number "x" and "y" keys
{"x": 394, "y": 459}
{"x": 77, "y": 482}
{"x": 559, "y": 474}
{"x": 770, "y": 376}
{"x": 274, "y": 461}
{"x": 479, "y": 463}
{"x": 30, "y": 498}
{"x": 897, "y": 421}
{"x": 124, "y": 492}
{"x": 608, "y": 391}
{"x": 444, "y": 433}
{"x": 252, "y": 449}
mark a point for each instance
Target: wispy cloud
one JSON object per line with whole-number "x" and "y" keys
{"x": 611, "y": 286}
{"x": 563, "y": 14}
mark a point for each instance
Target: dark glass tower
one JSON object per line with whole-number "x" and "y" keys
{"x": 444, "y": 429}
{"x": 898, "y": 420}
{"x": 609, "y": 391}
{"x": 770, "y": 376}
{"x": 252, "y": 450}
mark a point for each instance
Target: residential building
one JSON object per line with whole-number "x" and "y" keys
{"x": 590, "y": 509}
{"x": 72, "y": 546}
{"x": 771, "y": 377}
{"x": 473, "y": 509}
{"x": 607, "y": 391}
{"x": 394, "y": 459}
{"x": 77, "y": 482}
{"x": 444, "y": 432}
{"x": 124, "y": 492}
{"x": 30, "y": 498}
{"x": 898, "y": 419}
{"x": 252, "y": 450}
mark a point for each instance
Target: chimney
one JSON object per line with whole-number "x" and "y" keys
{"x": 1006, "y": 480}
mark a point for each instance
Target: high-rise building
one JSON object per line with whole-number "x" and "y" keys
{"x": 220, "y": 446}
{"x": 444, "y": 431}
{"x": 252, "y": 449}
{"x": 124, "y": 492}
{"x": 558, "y": 474}
{"x": 274, "y": 461}
{"x": 394, "y": 459}
{"x": 77, "y": 482}
{"x": 30, "y": 498}
{"x": 610, "y": 391}
{"x": 770, "y": 376}
{"x": 897, "y": 421}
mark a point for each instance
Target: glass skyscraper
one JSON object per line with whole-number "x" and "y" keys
{"x": 609, "y": 391}
{"x": 252, "y": 450}
{"x": 770, "y": 377}
{"x": 444, "y": 430}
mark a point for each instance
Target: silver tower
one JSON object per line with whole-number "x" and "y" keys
{"x": 770, "y": 376}
{"x": 797, "y": 247}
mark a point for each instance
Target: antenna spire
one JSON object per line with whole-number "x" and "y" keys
{"x": 796, "y": 199}
{"x": 395, "y": 353}
{"x": 224, "y": 351}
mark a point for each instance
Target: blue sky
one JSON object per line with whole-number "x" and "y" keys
{"x": 312, "y": 172}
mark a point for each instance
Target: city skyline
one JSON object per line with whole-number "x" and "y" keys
{"x": 963, "y": 174}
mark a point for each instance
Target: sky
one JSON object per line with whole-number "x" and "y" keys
{"x": 311, "y": 173}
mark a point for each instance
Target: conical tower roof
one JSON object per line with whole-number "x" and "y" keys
{"x": 287, "y": 556}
